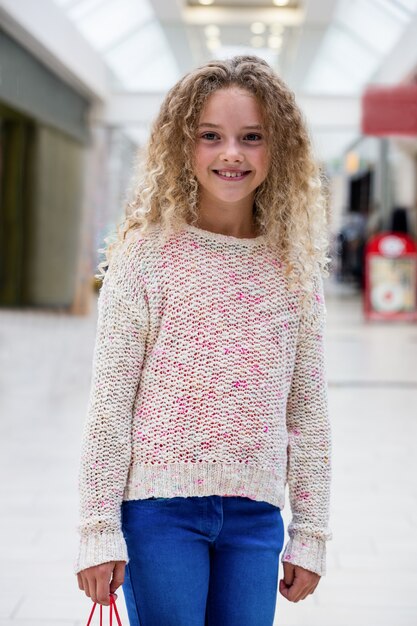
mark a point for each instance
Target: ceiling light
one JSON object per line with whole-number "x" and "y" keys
{"x": 352, "y": 162}
{"x": 278, "y": 3}
{"x": 213, "y": 44}
{"x": 212, "y": 31}
{"x": 257, "y": 41}
{"x": 206, "y": 1}
{"x": 276, "y": 28}
{"x": 274, "y": 41}
{"x": 257, "y": 28}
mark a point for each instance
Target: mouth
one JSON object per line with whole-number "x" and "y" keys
{"x": 234, "y": 175}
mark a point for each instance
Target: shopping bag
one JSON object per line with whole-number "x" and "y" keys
{"x": 111, "y": 608}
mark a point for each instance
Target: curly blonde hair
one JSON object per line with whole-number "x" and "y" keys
{"x": 289, "y": 205}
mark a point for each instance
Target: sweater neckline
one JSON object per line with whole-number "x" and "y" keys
{"x": 227, "y": 239}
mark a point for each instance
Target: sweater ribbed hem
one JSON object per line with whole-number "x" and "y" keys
{"x": 308, "y": 553}
{"x": 100, "y": 548}
{"x": 205, "y": 479}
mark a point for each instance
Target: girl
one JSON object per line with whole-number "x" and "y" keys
{"x": 209, "y": 386}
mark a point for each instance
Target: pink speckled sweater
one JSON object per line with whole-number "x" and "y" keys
{"x": 206, "y": 380}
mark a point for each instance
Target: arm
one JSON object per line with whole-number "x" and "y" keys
{"x": 106, "y": 442}
{"x": 309, "y": 444}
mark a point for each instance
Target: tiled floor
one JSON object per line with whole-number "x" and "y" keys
{"x": 45, "y": 361}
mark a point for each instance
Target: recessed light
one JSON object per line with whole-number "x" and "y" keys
{"x": 257, "y": 41}
{"x": 206, "y": 1}
{"x": 212, "y": 30}
{"x": 213, "y": 44}
{"x": 276, "y": 28}
{"x": 258, "y": 28}
{"x": 279, "y": 3}
{"x": 274, "y": 41}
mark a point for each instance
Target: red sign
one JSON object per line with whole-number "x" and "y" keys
{"x": 389, "y": 110}
{"x": 391, "y": 277}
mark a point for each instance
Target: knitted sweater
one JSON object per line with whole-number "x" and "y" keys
{"x": 206, "y": 380}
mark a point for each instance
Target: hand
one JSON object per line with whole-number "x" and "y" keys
{"x": 298, "y": 582}
{"x": 96, "y": 583}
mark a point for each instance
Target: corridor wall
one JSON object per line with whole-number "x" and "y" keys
{"x": 44, "y": 140}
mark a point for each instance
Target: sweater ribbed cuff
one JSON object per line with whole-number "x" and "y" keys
{"x": 306, "y": 552}
{"x": 100, "y": 548}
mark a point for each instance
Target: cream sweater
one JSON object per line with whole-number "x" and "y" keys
{"x": 206, "y": 380}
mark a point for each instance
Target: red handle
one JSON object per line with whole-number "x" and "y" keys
{"x": 116, "y": 612}
{"x": 112, "y": 606}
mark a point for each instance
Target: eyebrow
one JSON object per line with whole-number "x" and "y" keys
{"x": 252, "y": 127}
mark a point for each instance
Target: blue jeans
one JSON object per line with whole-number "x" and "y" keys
{"x": 201, "y": 561}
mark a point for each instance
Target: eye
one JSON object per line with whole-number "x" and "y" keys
{"x": 253, "y": 137}
{"x": 209, "y": 136}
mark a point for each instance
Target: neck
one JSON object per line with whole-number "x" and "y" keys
{"x": 234, "y": 221}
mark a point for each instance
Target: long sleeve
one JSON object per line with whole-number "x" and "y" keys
{"x": 309, "y": 443}
{"x": 106, "y": 442}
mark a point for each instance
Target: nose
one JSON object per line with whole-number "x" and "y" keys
{"x": 231, "y": 153}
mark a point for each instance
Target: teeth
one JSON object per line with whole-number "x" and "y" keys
{"x": 231, "y": 174}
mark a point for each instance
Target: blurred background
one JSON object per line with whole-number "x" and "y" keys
{"x": 80, "y": 83}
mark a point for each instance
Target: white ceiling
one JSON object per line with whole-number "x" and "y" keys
{"x": 322, "y": 48}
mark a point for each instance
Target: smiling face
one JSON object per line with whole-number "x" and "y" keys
{"x": 231, "y": 157}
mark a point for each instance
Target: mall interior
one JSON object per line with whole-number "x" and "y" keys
{"x": 80, "y": 84}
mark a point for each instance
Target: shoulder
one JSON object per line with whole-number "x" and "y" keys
{"x": 312, "y": 300}
{"x": 136, "y": 248}
{"x": 318, "y": 291}
{"x": 127, "y": 271}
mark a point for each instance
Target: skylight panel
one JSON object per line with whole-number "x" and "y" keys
{"x": 409, "y": 5}
{"x": 143, "y": 61}
{"x": 356, "y": 17}
{"x": 111, "y": 20}
{"x": 343, "y": 65}
{"x": 361, "y": 37}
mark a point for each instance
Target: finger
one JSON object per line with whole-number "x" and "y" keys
{"x": 283, "y": 589}
{"x": 306, "y": 594}
{"x": 314, "y": 587}
{"x": 92, "y": 585}
{"x": 118, "y": 576}
{"x": 80, "y": 581}
{"x": 289, "y": 572}
{"x": 103, "y": 589}
{"x": 86, "y": 586}
{"x": 304, "y": 580}
{"x": 296, "y": 591}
